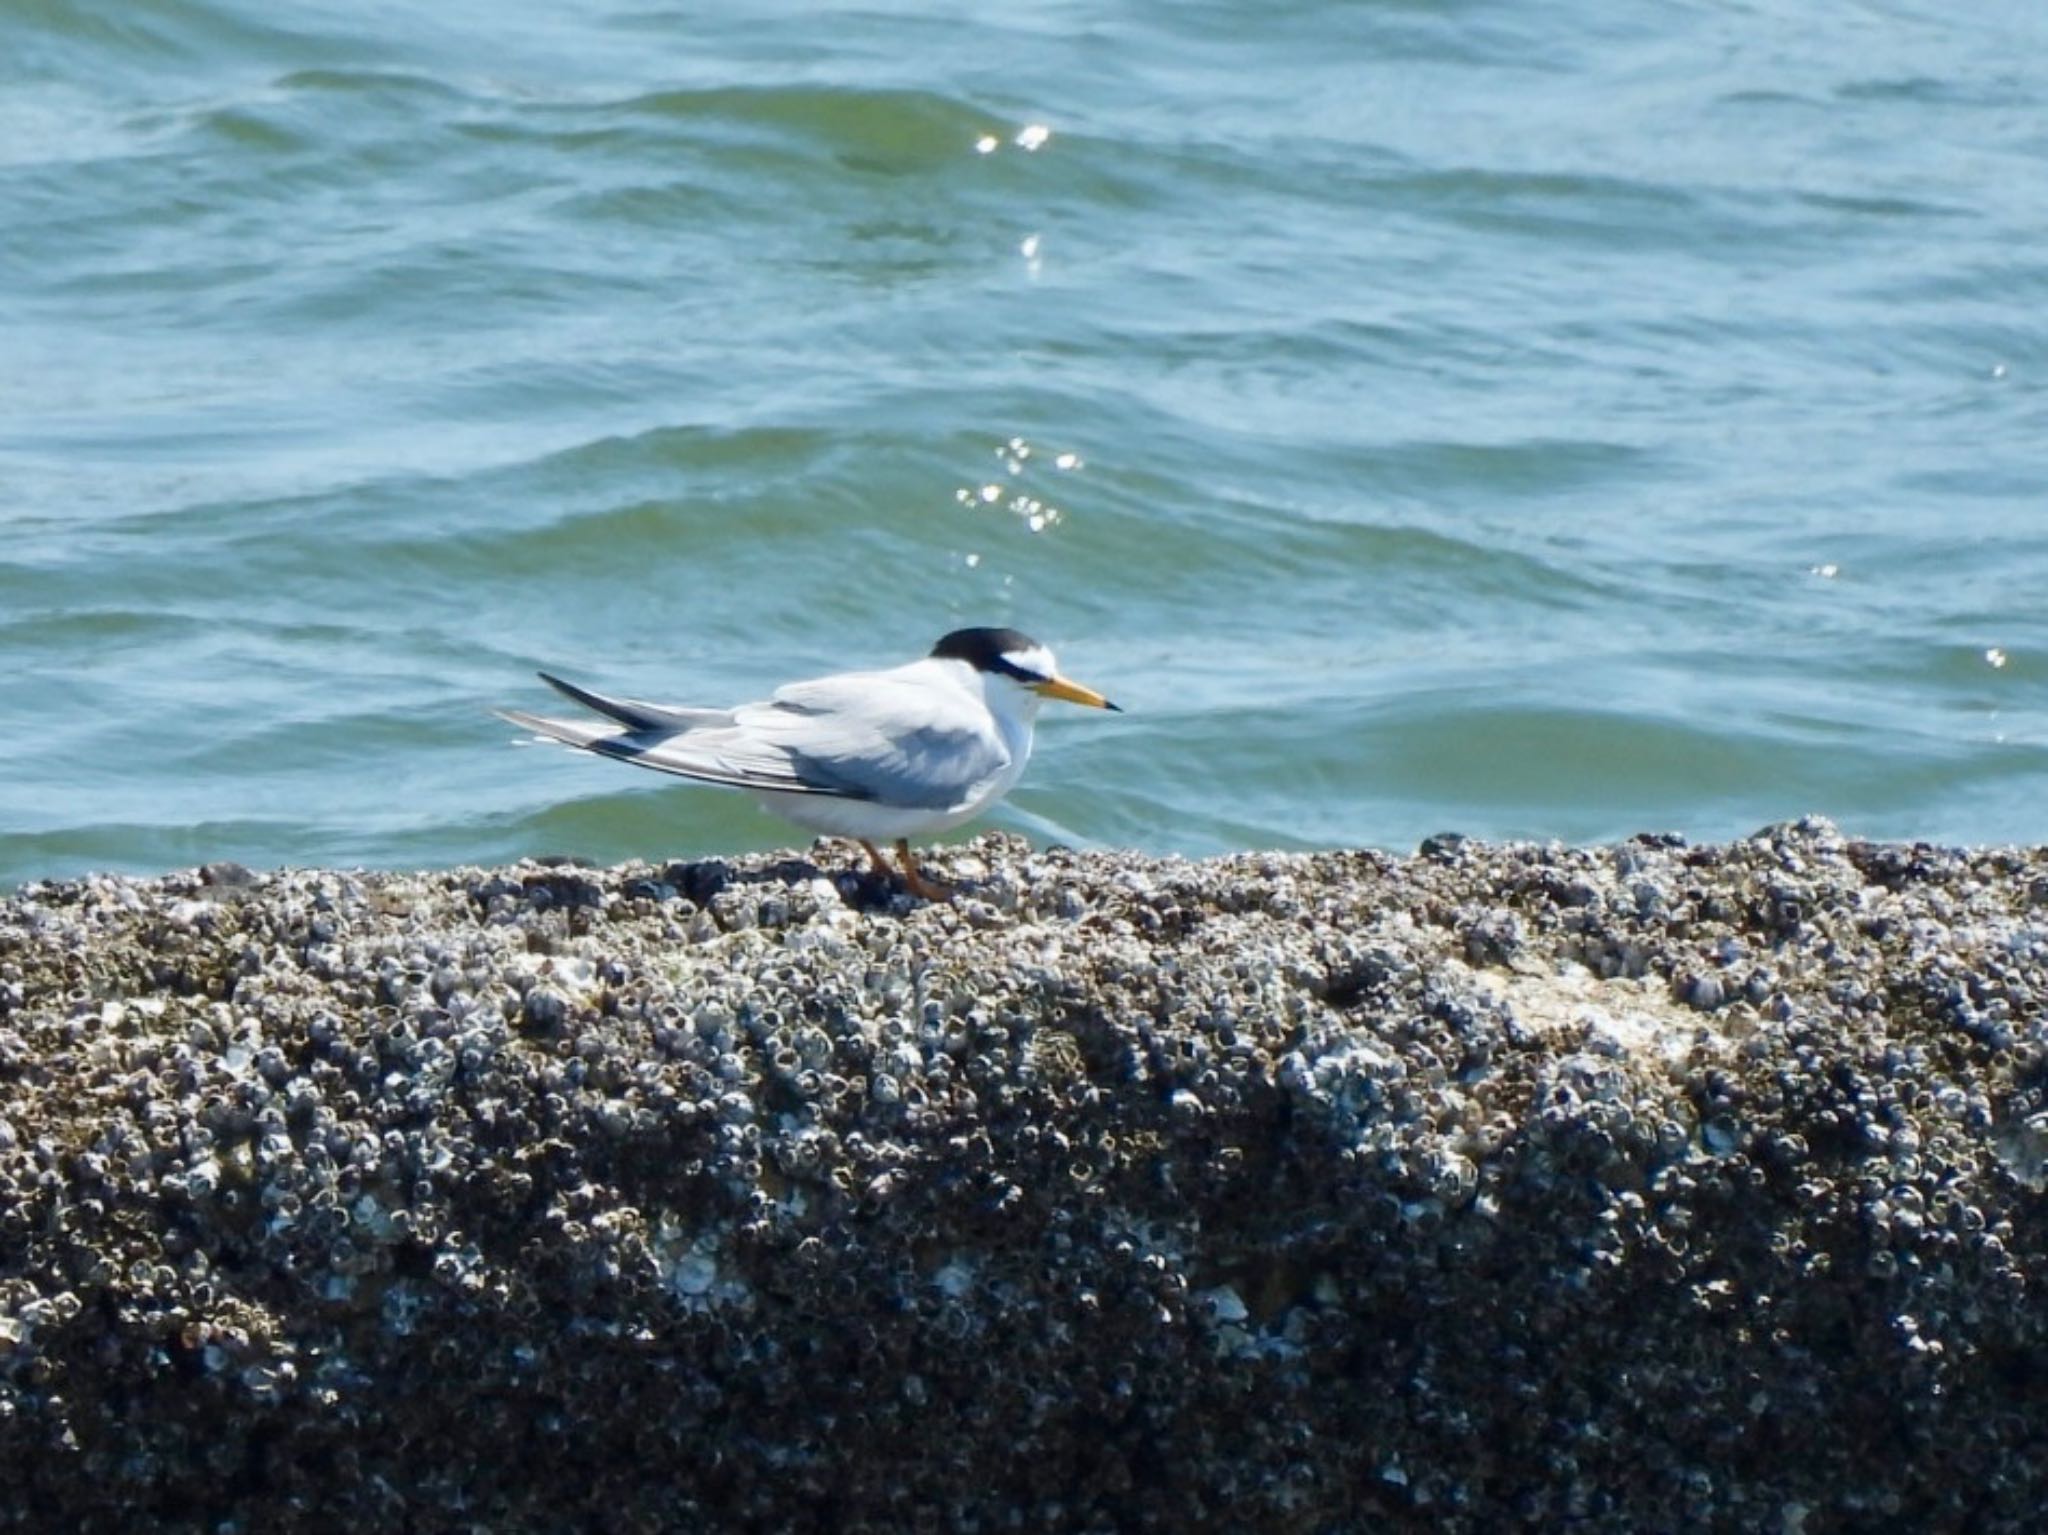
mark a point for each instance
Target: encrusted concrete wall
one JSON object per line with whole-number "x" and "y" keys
{"x": 1641, "y": 1188}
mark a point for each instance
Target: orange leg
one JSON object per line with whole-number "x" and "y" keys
{"x": 913, "y": 879}
{"x": 915, "y": 882}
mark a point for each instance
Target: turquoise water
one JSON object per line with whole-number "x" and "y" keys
{"x": 1550, "y": 421}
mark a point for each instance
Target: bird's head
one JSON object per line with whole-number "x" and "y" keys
{"x": 1005, "y": 655}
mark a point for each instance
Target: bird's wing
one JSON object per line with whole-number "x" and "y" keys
{"x": 635, "y": 714}
{"x": 880, "y": 736}
{"x": 707, "y": 755}
{"x": 660, "y": 736}
{"x": 861, "y": 736}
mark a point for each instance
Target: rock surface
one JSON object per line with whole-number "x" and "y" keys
{"x": 1644, "y": 1187}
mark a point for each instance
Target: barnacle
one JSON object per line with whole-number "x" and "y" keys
{"x": 1317, "y": 1188}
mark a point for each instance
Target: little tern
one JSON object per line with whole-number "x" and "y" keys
{"x": 895, "y": 754}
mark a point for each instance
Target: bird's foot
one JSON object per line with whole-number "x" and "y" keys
{"x": 914, "y": 880}
{"x": 928, "y": 889}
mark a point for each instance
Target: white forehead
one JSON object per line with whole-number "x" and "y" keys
{"x": 1035, "y": 659}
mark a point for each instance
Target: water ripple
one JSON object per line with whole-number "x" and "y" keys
{"x": 1551, "y": 425}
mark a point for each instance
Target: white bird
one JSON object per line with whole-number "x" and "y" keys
{"x": 901, "y": 753}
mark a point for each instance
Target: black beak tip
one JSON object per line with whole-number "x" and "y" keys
{"x": 1112, "y": 708}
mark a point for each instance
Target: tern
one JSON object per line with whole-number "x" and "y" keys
{"x": 874, "y": 756}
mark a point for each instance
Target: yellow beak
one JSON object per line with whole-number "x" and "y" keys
{"x": 1073, "y": 693}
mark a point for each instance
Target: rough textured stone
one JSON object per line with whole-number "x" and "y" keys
{"x": 1644, "y": 1187}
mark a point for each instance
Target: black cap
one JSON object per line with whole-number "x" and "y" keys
{"x": 988, "y": 650}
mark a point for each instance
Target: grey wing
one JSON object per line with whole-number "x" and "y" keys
{"x": 704, "y": 744}
{"x": 866, "y": 736}
{"x": 636, "y": 714}
{"x": 874, "y": 737}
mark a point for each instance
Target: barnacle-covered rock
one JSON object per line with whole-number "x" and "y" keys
{"x": 1643, "y": 1187}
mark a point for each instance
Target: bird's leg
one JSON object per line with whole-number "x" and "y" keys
{"x": 915, "y": 882}
{"x": 875, "y": 857}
